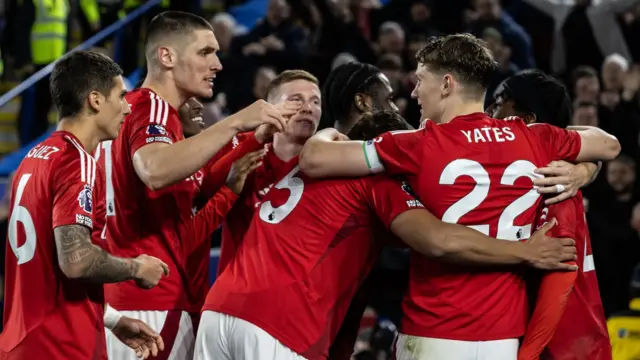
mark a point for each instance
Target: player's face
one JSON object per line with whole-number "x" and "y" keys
{"x": 198, "y": 64}
{"x": 620, "y": 176}
{"x": 191, "y": 117}
{"x": 587, "y": 89}
{"x": 383, "y": 97}
{"x": 502, "y": 107}
{"x": 112, "y": 112}
{"x": 428, "y": 92}
{"x": 304, "y": 123}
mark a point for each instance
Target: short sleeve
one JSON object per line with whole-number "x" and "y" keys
{"x": 389, "y": 198}
{"x": 153, "y": 121}
{"x": 73, "y": 190}
{"x": 563, "y": 144}
{"x": 395, "y": 152}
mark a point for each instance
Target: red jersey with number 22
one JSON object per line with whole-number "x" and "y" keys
{"x": 475, "y": 171}
{"x": 47, "y": 315}
{"x": 310, "y": 245}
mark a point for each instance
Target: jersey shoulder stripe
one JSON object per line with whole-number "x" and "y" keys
{"x": 87, "y": 163}
{"x": 159, "y": 111}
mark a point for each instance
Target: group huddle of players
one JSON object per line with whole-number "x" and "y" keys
{"x": 111, "y": 219}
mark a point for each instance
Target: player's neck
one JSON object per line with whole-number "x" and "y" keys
{"x": 284, "y": 149}
{"x": 166, "y": 89}
{"x": 459, "y": 108}
{"x": 81, "y": 129}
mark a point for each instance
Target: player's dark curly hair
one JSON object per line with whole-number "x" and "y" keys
{"x": 373, "y": 124}
{"x": 341, "y": 87}
{"x": 462, "y": 55}
{"x": 533, "y": 91}
{"x": 76, "y": 75}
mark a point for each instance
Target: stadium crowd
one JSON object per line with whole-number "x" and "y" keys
{"x": 336, "y": 53}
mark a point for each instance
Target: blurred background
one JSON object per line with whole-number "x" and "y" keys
{"x": 591, "y": 45}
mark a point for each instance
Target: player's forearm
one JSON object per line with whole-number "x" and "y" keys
{"x": 596, "y": 144}
{"x": 78, "y": 258}
{"x": 161, "y": 166}
{"x": 460, "y": 244}
{"x": 454, "y": 243}
{"x": 323, "y": 158}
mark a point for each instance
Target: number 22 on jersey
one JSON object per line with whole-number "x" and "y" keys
{"x": 507, "y": 230}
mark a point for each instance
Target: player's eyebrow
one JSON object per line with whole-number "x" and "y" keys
{"x": 208, "y": 50}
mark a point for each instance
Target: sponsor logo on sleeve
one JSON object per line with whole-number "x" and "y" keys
{"x": 157, "y": 133}
{"x": 85, "y": 199}
{"x": 84, "y": 220}
{"x": 413, "y": 202}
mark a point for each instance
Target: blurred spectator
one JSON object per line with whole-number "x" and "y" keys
{"x": 488, "y": 13}
{"x": 502, "y": 54}
{"x": 391, "y": 39}
{"x": 585, "y": 85}
{"x": 585, "y": 31}
{"x": 276, "y": 40}
{"x": 585, "y": 113}
{"x": 616, "y": 246}
{"x": 614, "y": 68}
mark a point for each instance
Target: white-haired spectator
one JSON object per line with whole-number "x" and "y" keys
{"x": 391, "y": 38}
{"x": 614, "y": 69}
{"x": 226, "y": 27}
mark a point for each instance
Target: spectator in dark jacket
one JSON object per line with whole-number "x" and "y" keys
{"x": 488, "y": 13}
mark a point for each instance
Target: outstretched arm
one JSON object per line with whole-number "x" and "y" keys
{"x": 325, "y": 155}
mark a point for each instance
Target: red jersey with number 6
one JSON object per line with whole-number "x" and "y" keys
{"x": 47, "y": 315}
{"x": 475, "y": 171}
{"x": 141, "y": 220}
{"x": 310, "y": 245}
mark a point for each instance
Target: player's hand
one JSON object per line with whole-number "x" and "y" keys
{"x": 329, "y": 134}
{"x": 563, "y": 179}
{"x": 138, "y": 336}
{"x": 242, "y": 168}
{"x": 264, "y": 133}
{"x": 150, "y": 271}
{"x": 256, "y": 114}
{"x": 549, "y": 253}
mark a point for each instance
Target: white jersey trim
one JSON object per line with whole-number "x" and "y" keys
{"x": 372, "y": 158}
{"x": 87, "y": 163}
{"x": 159, "y": 110}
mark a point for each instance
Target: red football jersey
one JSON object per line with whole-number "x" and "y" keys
{"x": 47, "y": 315}
{"x": 475, "y": 171}
{"x": 140, "y": 220}
{"x": 308, "y": 249}
{"x": 196, "y": 233}
{"x": 255, "y": 188}
{"x": 581, "y": 330}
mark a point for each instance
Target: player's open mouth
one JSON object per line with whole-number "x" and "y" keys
{"x": 210, "y": 80}
{"x": 198, "y": 120}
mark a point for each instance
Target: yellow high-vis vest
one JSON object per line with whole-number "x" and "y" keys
{"x": 49, "y": 31}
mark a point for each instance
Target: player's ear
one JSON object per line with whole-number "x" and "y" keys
{"x": 530, "y": 118}
{"x": 447, "y": 85}
{"x": 94, "y": 100}
{"x": 363, "y": 102}
{"x": 166, "y": 56}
